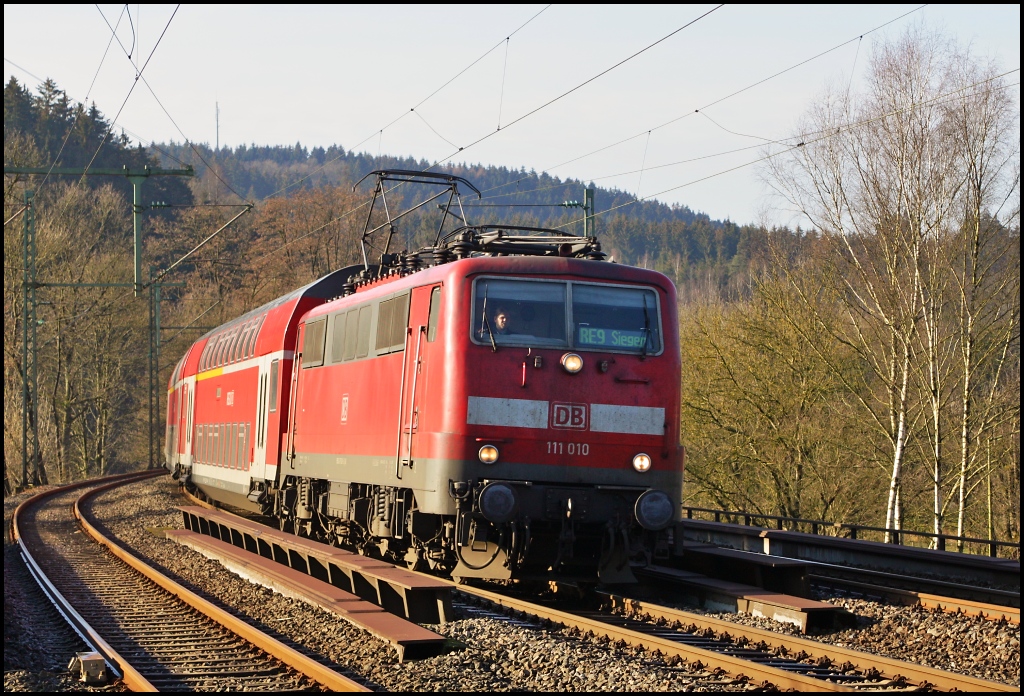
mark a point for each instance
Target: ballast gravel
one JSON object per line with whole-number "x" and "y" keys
{"x": 38, "y": 644}
{"x": 486, "y": 654}
{"x": 952, "y": 642}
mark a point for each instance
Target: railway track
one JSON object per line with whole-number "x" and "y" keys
{"x": 759, "y": 657}
{"x": 884, "y": 584}
{"x": 746, "y": 655}
{"x": 1002, "y": 610}
{"x": 152, "y": 633}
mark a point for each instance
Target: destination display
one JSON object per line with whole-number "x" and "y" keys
{"x": 611, "y": 338}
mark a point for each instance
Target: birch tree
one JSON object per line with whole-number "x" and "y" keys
{"x": 986, "y": 267}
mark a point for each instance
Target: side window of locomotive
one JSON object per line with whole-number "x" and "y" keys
{"x": 607, "y": 317}
{"x": 313, "y": 343}
{"x": 519, "y": 312}
{"x": 337, "y": 338}
{"x": 274, "y": 368}
{"x": 363, "y": 339}
{"x": 351, "y": 333}
{"x": 392, "y": 318}
{"x": 434, "y": 313}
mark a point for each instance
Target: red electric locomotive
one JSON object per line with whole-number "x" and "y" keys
{"x": 501, "y": 404}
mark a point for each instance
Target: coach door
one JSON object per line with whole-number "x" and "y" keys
{"x": 413, "y": 377}
{"x": 261, "y": 425}
{"x": 181, "y": 446}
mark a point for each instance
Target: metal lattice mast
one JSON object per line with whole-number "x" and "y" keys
{"x": 30, "y": 402}
{"x": 29, "y": 374}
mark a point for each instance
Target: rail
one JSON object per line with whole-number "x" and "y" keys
{"x": 851, "y": 531}
{"x": 132, "y": 677}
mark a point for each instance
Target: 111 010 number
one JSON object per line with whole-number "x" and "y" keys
{"x": 579, "y": 449}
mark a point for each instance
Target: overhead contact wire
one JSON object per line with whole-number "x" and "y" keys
{"x": 152, "y": 92}
{"x": 824, "y": 134}
{"x": 722, "y": 99}
{"x": 412, "y": 109}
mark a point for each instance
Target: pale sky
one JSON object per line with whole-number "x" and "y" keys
{"x": 340, "y": 74}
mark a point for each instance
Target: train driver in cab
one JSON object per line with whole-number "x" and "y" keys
{"x": 503, "y": 324}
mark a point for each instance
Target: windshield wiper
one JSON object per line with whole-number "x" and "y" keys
{"x": 647, "y": 325}
{"x": 487, "y": 325}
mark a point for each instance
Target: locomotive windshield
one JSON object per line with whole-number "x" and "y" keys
{"x": 558, "y": 314}
{"x": 520, "y": 312}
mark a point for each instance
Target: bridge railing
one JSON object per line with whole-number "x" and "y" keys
{"x": 905, "y": 537}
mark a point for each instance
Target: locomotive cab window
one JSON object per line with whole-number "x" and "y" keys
{"x": 562, "y": 314}
{"x": 607, "y": 317}
{"x": 434, "y": 314}
{"x": 519, "y": 312}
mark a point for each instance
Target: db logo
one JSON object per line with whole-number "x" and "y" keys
{"x": 569, "y": 416}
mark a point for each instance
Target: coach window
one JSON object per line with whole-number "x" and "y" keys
{"x": 236, "y": 338}
{"x": 229, "y": 344}
{"x": 243, "y": 337}
{"x": 363, "y": 341}
{"x": 250, "y": 350}
{"x": 435, "y": 312}
{"x": 273, "y": 385}
{"x": 313, "y": 343}
{"x": 244, "y": 352}
{"x": 215, "y": 355}
{"x": 218, "y": 351}
{"x": 225, "y": 353}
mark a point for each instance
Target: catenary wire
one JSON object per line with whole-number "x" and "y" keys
{"x": 81, "y": 110}
{"x": 823, "y": 135}
{"x": 406, "y": 113}
{"x": 721, "y": 99}
{"x": 168, "y": 114}
{"x": 521, "y": 118}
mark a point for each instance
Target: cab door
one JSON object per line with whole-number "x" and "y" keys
{"x": 424, "y": 303}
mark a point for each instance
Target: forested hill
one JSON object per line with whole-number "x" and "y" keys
{"x": 702, "y": 254}
{"x": 48, "y": 129}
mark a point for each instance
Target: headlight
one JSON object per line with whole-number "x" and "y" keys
{"x": 572, "y": 363}
{"x": 642, "y": 462}
{"x": 488, "y": 454}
